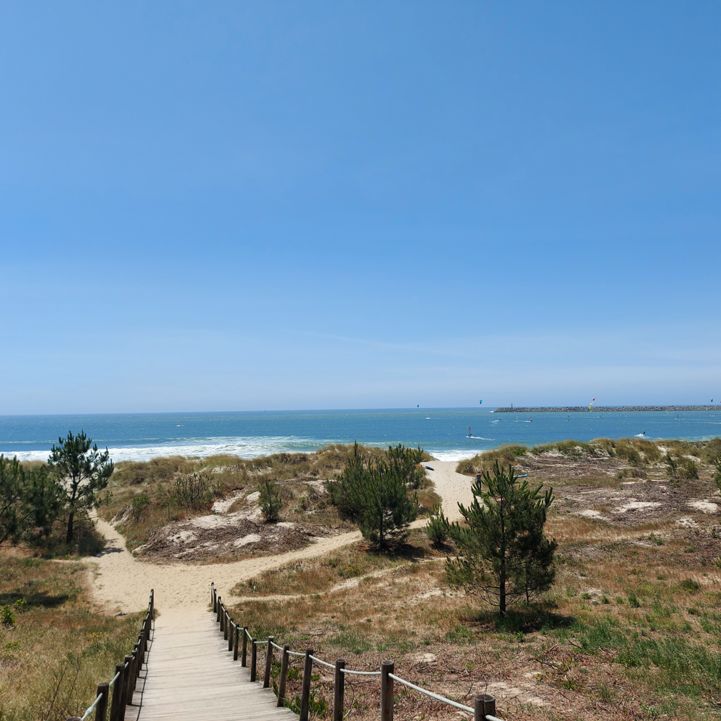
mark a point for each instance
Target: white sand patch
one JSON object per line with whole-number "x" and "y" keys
{"x": 591, "y": 513}
{"x": 452, "y": 487}
{"x": 425, "y": 658}
{"x": 214, "y": 521}
{"x": 505, "y": 690}
{"x": 686, "y": 522}
{"x": 286, "y": 524}
{"x": 223, "y": 505}
{"x": 253, "y": 497}
{"x": 634, "y": 505}
{"x": 703, "y": 506}
{"x": 246, "y": 540}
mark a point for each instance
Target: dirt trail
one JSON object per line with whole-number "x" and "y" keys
{"x": 121, "y": 582}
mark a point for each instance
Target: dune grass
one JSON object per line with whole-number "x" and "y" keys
{"x": 54, "y": 648}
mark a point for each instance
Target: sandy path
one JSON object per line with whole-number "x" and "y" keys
{"x": 122, "y": 582}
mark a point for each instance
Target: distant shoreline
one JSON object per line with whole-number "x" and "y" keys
{"x": 602, "y": 409}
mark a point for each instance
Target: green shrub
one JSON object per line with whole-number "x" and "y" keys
{"x": 192, "y": 491}
{"x": 7, "y": 616}
{"x": 138, "y": 506}
{"x": 437, "y": 529}
{"x": 270, "y": 501}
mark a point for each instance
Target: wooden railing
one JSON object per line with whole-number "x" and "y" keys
{"x": 111, "y": 707}
{"x": 239, "y": 640}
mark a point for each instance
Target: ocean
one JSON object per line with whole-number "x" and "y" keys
{"x": 443, "y": 432}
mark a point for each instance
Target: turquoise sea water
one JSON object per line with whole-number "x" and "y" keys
{"x": 442, "y": 432}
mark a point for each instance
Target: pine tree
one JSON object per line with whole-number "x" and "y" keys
{"x": 378, "y": 494}
{"x": 503, "y": 552}
{"x": 83, "y": 471}
{"x": 270, "y": 501}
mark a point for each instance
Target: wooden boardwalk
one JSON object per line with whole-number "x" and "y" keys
{"x": 191, "y": 676}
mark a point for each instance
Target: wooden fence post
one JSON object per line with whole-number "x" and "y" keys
{"x": 127, "y": 688}
{"x": 283, "y": 675}
{"x": 212, "y": 594}
{"x": 483, "y": 705}
{"x": 230, "y": 633}
{"x": 236, "y": 639}
{"x": 386, "y": 691}
{"x": 116, "y": 693}
{"x": 217, "y": 617}
{"x": 101, "y": 710}
{"x": 268, "y": 662}
{"x": 152, "y": 602}
{"x": 253, "y": 659}
{"x": 305, "y": 691}
{"x": 338, "y": 690}
{"x": 244, "y": 655}
{"x": 225, "y": 625}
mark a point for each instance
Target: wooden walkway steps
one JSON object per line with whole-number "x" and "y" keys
{"x": 191, "y": 676}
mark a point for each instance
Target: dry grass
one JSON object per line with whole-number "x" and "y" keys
{"x": 631, "y": 629}
{"x": 54, "y": 648}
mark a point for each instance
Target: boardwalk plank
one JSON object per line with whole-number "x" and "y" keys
{"x": 191, "y": 676}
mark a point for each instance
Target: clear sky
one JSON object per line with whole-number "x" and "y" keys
{"x": 226, "y": 205}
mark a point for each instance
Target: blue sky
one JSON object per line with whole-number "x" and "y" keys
{"x": 211, "y": 206}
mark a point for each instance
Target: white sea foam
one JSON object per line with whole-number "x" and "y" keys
{"x": 243, "y": 447}
{"x": 453, "y": 455}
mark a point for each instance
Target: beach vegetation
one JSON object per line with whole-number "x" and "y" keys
{"x": 83, "y": 472}
{"x": 681, "y": 468}
{"x": 503, "y": 552}
{"x": 55, "y": 647}
{"x": 437, "y": 529}
{"x": 271, "y": 502}
{"x": 379, "y": 493}
{"x": 30, "y": 502}
{"x": 193, "y": 491}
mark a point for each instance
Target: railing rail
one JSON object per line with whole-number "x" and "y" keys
{"x": 125, "y": 680}
{"x": 483, "y": 709}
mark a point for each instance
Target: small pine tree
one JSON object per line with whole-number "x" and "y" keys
{"x": 437, "y": 529}
{"x": 270, "y": 501}
{"x": 83, "y": 471}
{"x": 378, "y": 494}
{"x": 503, "y": 552}
{"x": 30, "y": 501}
{"x": 717, "y": 472}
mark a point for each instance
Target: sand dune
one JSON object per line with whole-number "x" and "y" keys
{"x": 121, "y": 582}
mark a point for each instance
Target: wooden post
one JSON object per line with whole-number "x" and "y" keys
{"x": 116, "y": 693}
{"x": 305, "y": 691}
{"x": 386, "y": 691}
{"x": 152, "y": 602}
{"x": 483, "y": 705}
{"x": 101, "y": 710}
{"x": 268, "y": 662}
{"x": 244, "y": 655}
{"x": 226, "y": 616}
{"x": 253, "y": 659}
{"x": 283, "y": 675}
{"x": 217, "y": 617}
{"x": 338, "y": 690}
{"x": 212, "y": 594}
{"x": 236, "y": 640}
{"x": 128, "y": 690}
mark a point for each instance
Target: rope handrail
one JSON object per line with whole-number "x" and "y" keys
{"x": 483, "y": 703}
{"x": 91, "y": 708}
{"x": 322, "y": 662}
{"x": 127, "y": 672}
{"x": 431, "y": 694}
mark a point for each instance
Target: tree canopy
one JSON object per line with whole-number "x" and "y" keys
{"x": 503, "y": 553}
{"x": 83, "y": 472}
